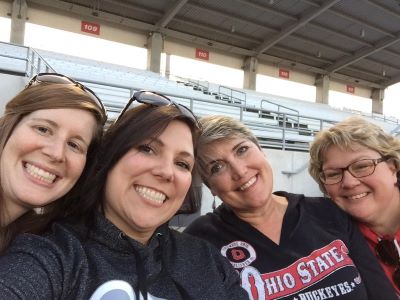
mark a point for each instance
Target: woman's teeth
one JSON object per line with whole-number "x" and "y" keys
{"x": 248, "y": 184}
{"x": 150, "y": 194}
{"x": 40, "y": 173}
{"x": 355, "y": 197}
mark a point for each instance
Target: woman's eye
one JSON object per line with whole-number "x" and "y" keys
{"x": 333, "y": 173}
{"x": 75, "y": 146}
{"x": 42, "y": 129}
{"x": 242, "y": 149}
{"x": 184, "y": 165}
{"x": 216, "y": 168}
{"x": 145, "y": 149}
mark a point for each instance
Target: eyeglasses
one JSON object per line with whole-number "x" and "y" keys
{"x": 388, "y": 252}
{"x": 62, "y": 79}
{"x": 358, "y": 169}
{"x": 155, "y": 99}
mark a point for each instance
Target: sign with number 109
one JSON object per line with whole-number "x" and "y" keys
{"x": 89, "y": 27}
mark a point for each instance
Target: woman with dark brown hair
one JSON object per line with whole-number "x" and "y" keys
{"x": 117, "y": 244}
{"x": 48, "y": 134}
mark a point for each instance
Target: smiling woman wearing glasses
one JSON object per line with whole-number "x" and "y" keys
{"x": 357, "y": 164}
{"x": 48, "y": 133}
{"x": 117, "y": 243}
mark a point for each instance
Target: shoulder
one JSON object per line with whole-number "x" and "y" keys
{"x": 323, "y": 213}
{"x": 42, "y": 267}
{"x": 322, "y": 207}
{"x": 203, "y": 223}
{"x": 189, "y": 242}
{"x": 60, "y": 242}
{"x": 187, "y": 245}
{"x": 184, "y": 246}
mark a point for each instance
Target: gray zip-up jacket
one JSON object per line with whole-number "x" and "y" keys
{"x": 106, "y": 264}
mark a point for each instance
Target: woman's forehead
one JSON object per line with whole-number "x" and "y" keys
{"x": 221, "y": 147}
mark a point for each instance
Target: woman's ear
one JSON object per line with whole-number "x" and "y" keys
{"x": 393, "y": 165}
{"x": 394, "y": 170}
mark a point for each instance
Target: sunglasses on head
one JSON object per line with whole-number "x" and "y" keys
{"x": 155, "y": 99}
{"x": 62, "y": 79}
{"x": 388, "y": 252}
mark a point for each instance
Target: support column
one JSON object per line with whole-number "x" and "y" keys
{"x": 322, "y": 83}
{"x": 155, "y": 45}
{"x": 250, "y": 67}
{"x": 18, "y": 19}
{"x": 377, "y": 97}
{"x": 167, "y": 65}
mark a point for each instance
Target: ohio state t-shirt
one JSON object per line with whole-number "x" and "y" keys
{"x": 321, "y": 254}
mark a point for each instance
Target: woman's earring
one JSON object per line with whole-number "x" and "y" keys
{"x": 213, "y": 204}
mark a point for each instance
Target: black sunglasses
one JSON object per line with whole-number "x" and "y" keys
{"x": 155, "y": 99}
{"x": 62, "y": 79}
{"x": 388, "y": 252}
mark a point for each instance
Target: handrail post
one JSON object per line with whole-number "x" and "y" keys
{"x": 27, "y": 62}
{"x": 32, "y": 63}
{"x": 39, "y": 65}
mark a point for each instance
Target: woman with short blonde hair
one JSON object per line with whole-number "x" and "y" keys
{"x": 357, "y": 164}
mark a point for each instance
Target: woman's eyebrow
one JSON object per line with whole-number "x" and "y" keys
{"x": 160, "y": 143}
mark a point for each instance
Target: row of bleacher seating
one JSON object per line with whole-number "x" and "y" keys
{"x": 277, "y": 121}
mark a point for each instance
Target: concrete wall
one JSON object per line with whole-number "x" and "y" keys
{"x": 72, "y": 22}
{"x": 341, "y": 87}
{"x": 10, "y": 85}
{"x": 5, "y": 8}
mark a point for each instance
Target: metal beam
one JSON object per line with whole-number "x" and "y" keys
{"x": 268, "y": 43}
{"x": 134, "y": 7}
{"x": 392, "y": 80}
{"x": 322, "y": 27}
{"x": 383, "y": 8}
{"x": 362, "y": 53}
{"x": 296, "y": 36}
{"x": 352, "y": 19}
{"x": 171, "y": 12}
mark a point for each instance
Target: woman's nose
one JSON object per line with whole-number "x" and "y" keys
{"x": 238, "y": 170}
{"x": 164, "y": 170}
{"x": 55, "y": 150}
{"x": 349, "y": 180}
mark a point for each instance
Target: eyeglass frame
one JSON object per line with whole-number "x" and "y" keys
{"x": 375, "y": 161}
{"x": 163, "y": 101}
{"x": 36, "y": 79}
{"x": 383, "y": 245}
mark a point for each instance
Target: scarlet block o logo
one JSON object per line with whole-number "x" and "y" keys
{"x": 239, "y": 253}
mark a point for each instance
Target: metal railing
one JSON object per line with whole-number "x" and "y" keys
{"x": 270, "y": 135}
{"x": 232, "y": 95}
{"x": 33, "y": 61}
{"x": 293, "y": 120}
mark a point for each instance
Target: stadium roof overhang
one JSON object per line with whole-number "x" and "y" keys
{"x": 349, "y": 40}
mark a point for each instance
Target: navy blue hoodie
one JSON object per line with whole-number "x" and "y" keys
{"x": 106, "y": 264}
